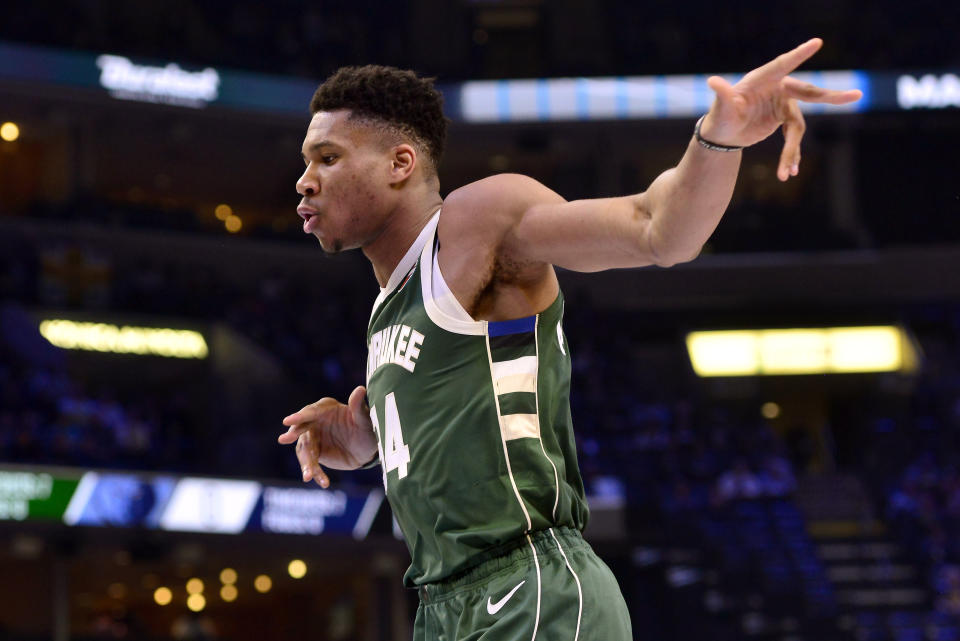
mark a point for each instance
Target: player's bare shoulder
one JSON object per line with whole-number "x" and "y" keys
{"x": 476, "y": 232}
{"x": 487, "y": 210}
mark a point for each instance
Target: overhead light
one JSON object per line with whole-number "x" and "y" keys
{"x": 196, "y": 602}
{"x": 106, "y": 337}
{"x": 793, "y": 351}
{"x": 297, "y": 569}
{"x": 870, "y": 349}
{"x": 233, "y": 223}
{"x": 830, "y": 350}
{"x": 9, "y": 131}
{"x": 162, "y": 596}
{"x": 223, "y": 211}
{"x": 228, "y": 593}
{"x": 770, "y": 410}
{"x": 228, "y": 576}
{"x": 262, "y": 583}
{"x": 194, "y": 586}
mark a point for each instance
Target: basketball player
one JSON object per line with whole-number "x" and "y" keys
{"x": 468, "y": 369}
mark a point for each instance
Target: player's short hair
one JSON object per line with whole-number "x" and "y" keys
{"x": 395, "y": 98}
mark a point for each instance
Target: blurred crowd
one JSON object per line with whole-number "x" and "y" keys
{"x": 676, "y": 460}
{"x": 908, "y": 452}
{"x": 923, "y": 509}
{"x": 762, "y": 217}
{"x": 628, "y": 422}
{"x": 710, "y": 474}
{"x": 141, "y": 412}
{"x": 713, "y": 474}
{"x": 50, "y": 418}
{"x": 639, "y": 416}
{"x": 493, "y": 38}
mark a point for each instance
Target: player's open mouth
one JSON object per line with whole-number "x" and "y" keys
{"x": 310, "y": 223}
{"x": 311, "y": 219}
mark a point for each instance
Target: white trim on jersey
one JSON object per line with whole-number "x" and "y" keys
{"x": 514, "y": 426}
{"x": 444, "y": 298}
{"x": 556, "y": 476}
{"x": 406, "y": 263}
{"x": 440, "y": 318}
{"x": 575, "y": 578}
{"x": 536, "y": 563}
{"x": 503, "y": 440}
{"x": 517, "y": 375}
{"x": 516, "y": 383}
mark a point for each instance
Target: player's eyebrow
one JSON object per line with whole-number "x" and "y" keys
{"x": 314, "y": 147}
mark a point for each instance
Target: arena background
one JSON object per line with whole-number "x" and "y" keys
{"x": 147, "y": 165}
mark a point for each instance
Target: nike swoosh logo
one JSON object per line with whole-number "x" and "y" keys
{"x": 493, "y": 608}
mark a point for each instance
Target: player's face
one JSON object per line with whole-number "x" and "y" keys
{"x": 345, "y": 187}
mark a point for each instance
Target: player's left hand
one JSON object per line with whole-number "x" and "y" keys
{"x": 766, "y": 98}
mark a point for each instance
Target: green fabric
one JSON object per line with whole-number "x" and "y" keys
{"x": 455, "y": 499}
{"x": 505, "y": 348}
{"x": 518, "y": 403}
{"x": 594, "y": 610}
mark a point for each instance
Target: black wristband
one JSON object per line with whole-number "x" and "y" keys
{"x": 712, "y": 146}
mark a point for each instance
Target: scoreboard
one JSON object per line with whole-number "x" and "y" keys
{"x": 183, "y": 503}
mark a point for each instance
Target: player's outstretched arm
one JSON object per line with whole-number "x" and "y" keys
{"x": 331, "y": 434}
{"x": 675, "y": 216}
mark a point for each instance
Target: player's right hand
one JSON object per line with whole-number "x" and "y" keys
{"x": 331, "y": 434}
{"x": 766, "y": 99}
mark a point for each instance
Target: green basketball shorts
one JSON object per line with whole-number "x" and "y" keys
{"x": 549, "y": 586}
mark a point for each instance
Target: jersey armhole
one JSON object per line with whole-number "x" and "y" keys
{"x": 434, "y": 312}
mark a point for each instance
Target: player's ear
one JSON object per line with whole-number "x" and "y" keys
{"x": 402, "y": 163}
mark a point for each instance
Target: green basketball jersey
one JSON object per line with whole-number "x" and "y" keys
{"x": 473, "y": 422}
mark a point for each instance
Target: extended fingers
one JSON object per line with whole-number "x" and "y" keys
{"x": 308, "y": 449}
{"x": 793, "y": 128}
{"x": 808, "y": 92}
{"x": 784, "y": 63}
{"x": 311, "y": 412}
{"x": 308, "y": 455}
{"x": 291, "y": 434}
{"x": 308, "y": 413}
{"x": 721, "y": 87}
{"x": 303, "y": 416}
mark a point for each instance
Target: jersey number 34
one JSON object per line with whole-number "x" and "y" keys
{"x": 394, "y": 453}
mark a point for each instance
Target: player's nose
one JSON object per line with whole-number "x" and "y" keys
{"x": 307, "y": 185}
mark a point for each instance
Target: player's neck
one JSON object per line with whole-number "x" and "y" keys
{"x": 399, "y": 232}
